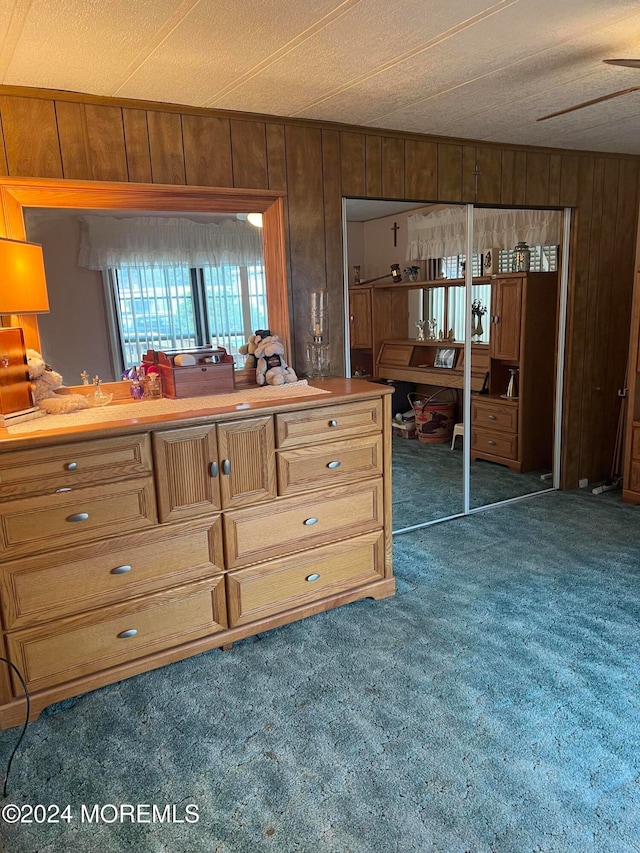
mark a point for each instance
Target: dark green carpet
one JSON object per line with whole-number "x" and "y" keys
{"x": 427, "y": 482}
{"x": 491, "y": 706}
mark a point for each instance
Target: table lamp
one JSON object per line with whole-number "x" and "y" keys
{"x": 23, "y": 290}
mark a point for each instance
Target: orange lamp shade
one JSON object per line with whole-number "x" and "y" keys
{"x": 23, "y": 285}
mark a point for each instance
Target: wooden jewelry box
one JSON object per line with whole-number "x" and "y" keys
{"x": 212, "y": 372}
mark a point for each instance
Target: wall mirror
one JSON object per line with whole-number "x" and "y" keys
{"x": 500, "y": 340}
{"x": 75, "y": 335}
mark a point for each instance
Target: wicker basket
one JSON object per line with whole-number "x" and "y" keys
{"x": 435, "y": 418}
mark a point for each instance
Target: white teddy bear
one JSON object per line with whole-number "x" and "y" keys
{"x": 272, "y": 368}
{"x": 44, "y": 381}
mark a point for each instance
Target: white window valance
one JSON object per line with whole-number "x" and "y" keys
{"x": 110, "y": 242}
{"x": 443, "y": 233}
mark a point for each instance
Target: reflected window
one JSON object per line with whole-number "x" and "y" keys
{"x": 181, "y": 307}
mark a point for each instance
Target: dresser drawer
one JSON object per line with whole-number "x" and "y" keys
{"x": 494, "y": 443}
{"x": 52, "y": 521}
{"x": 281, "y": 585}
{"x": 82, "y": 463}
{"x": 318, "y": 465}
{"x": 78, "y": 646}
{"x": 261, "y": 533}
{"x": 494, "y": 415}
{"x": 49, "y": 586}
{"x": 328, "y": 422}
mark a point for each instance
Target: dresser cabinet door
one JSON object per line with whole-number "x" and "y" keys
{"x": 506, "y": 316}
{"x": 187, "y": 472}
{"x": 246, "y": 451}
{"x": 360, "y": 318}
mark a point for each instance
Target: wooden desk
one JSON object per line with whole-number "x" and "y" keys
{"x": 413, "y": 361}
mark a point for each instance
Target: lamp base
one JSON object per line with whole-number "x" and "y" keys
{"x": 21, "y": 416}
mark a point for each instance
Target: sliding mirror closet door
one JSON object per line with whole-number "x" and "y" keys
{"x": 514, "y": 352}
{"x": 410, "y": 334}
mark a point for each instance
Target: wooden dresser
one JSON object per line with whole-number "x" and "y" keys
{"x": 129, "y": 545}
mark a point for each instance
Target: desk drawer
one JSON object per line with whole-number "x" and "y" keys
{"x": 283, "y": 584}
{"x": 71, "y": 648}
{"x": 494, "y": 443}
{"x": 52, "y": 521}
{"x": 82, "y": 463}
{"x": 49, "y": 586}
{"x": 311, "y": 467}
{"x": 329, "y": 422}
{"x": 262, "y": 533}
{"x": 494, "y": 415}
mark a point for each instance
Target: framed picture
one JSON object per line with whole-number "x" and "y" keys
{"x": 445, "y": 357}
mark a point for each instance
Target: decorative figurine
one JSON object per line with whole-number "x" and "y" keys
{"x": 420, "y": 324}
{"x": 85, "y": 377}
{"x": 432, "y": 329}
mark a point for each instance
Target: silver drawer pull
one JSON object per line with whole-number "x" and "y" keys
{"x": 120, "y": 570}
{"x": 123, "y": 635}
{"x": 491, "y": 417}
{"x": 78, "y": 516}
{"x": 226, "y": 467}
{"x": 64, "y": 489}
{"x": 71, "y": 466}
{"x": 491, "y": 442}
{"x": 333, "y": 464}
{"x": 310, "y": 521}
{"x": 333, "y": 423}
{"x": 314, "y": 577}
{"x": 213, "y": 469}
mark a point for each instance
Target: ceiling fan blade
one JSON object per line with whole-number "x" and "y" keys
{"x": 591, "y": 103}
{"x": 625, "y": 63}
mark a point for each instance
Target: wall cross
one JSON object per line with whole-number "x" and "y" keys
{"x": 395, "y": 228}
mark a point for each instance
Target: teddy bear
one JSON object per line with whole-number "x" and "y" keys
{"x": 44, "y": 381}
{"x": 272, "y": 369}
{"x": 249, "y": 349}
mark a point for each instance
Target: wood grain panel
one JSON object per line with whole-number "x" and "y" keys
{"x": 449, "y": 172}
{"x": 306, "y": 225}
{"x": 31, "y": 137}
{"x": 333, "y": 232}
{"x": 569, "y": 180}
{"x": 489, "y": 162}
{"x": 538, "y": 175}
{"x": 276, "y": 157}
{"x": 421, "y": 178}
{"x": 73, "y": 140}
{"x": 352, "y": 162}
{"x": 508, "y": 167}
{"x": 165, "y": 146}
{"x": 4, "y": 168}
{"x": 469, "y": 174}
{"x": 136, "y": 135}
{"x": 105, "y": 143}
{"x": 519, "y": 178}
{"x": 393, "y": 167}
{"x": 373, "y": 166}
{"x": 249, "y": 154}
{"x": 555, "y": 173}
{"x": 207, "y": 151}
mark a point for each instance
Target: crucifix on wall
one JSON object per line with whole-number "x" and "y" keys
{"x": 395, "y": 228}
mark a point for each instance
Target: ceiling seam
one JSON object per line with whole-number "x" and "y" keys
{"x": 21, "y": 9}
{"x": 301, "y": 38}
{"x": 161, "y": 35}
{"x": 410, "y": 54}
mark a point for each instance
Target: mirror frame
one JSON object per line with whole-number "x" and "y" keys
{"x": 19, "y": 193}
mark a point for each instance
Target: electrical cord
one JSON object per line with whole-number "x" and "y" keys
{"x": 24, "y": 727}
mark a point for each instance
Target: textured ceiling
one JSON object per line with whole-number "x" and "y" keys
{"x": 466, "y": 68}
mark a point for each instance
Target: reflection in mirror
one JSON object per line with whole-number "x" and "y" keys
{"x": 123, "y": 282}
{"x": 386, "y": 323}
{"x": 512, "y": 416}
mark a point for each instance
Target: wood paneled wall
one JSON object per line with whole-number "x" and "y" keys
{"x": 62, "y": 135}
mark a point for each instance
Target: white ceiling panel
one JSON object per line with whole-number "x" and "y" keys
{"x": 219, "y": 42}
{"x": 478, "y": 69}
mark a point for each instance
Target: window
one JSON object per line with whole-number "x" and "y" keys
{"x": 182, "y": 307}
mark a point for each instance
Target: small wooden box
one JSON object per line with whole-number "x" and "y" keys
{"x": 15, "y": 385}
{"x": 211, "y": 374}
